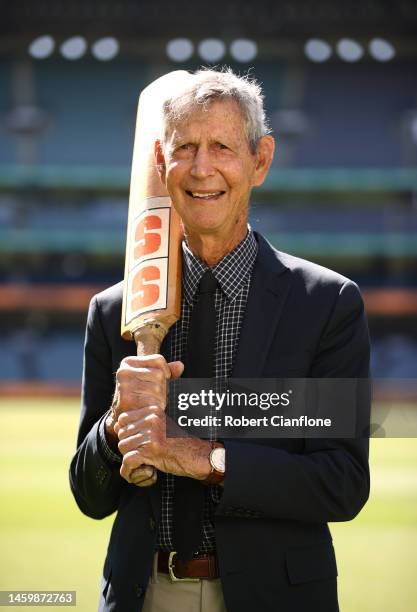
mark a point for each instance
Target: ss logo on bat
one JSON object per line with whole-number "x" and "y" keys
{"x": 149, "y": 262}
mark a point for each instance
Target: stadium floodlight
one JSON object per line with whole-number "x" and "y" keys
{"x": 349, "y": 50}
{"x": 73, "y": 48}
{"x": 41, "y": 47}
{"x": 211, "y": 49}
{"x": 243, "y": 50}
{"x": 317, "y": 50}
{"x": 105, "y": 49}
{"x": 180, "y": 49}
{"x": 381, "y": 50}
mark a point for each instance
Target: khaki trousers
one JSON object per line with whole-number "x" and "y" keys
{"x": 162, "y": 595}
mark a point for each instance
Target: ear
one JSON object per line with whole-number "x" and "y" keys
{"x": 160, "y": 160}
{"x": 264, "y": 156}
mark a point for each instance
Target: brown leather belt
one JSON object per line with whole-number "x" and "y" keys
{"x": 202, "y": 567}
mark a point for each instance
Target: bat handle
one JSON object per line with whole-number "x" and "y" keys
{"x": 149, "y": 337}
{"x": 148, "y": 340}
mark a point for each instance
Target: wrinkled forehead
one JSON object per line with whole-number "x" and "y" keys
{"x": 225, "y": 110}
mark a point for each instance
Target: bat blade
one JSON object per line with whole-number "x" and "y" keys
{"x": 152, "y": 287}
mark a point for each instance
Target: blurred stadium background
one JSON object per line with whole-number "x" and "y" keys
{"x": 340, "y": 80}
{"x": 341, "y": 88}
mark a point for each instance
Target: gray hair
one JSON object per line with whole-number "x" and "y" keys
{"x": 208, "y": 86}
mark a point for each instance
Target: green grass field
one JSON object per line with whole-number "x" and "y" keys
{"x": 46, "y": 543}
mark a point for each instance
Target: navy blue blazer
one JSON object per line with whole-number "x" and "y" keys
{"x": 274, "y": 545}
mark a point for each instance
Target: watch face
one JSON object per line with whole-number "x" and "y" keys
{"x": 217, "y": 459}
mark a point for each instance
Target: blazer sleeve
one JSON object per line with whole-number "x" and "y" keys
{"x": 94, "y": 479}
{"x": 329, "y": 480}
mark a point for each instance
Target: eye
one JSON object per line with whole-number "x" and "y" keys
{"x": 185, "y": 147}
{"x": 184, "y": 150}
{"x": 221, "y": 146}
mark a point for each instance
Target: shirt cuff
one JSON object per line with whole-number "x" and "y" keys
{"x": 108, "y": 452}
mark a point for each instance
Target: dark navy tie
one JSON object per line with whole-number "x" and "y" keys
{"x": 199, "y": 363}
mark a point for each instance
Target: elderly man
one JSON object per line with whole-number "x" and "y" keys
{"x": 247, "y": 519}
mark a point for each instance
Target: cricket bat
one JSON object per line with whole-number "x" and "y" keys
{"x": 152, "y": 280}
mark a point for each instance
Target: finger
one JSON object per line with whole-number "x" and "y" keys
{"x": 134, "y": 420}
{"x": 176, "y": 368}
{"x": 131, "y": 461}
{"x": 148, "y": 361}
{"x": 130, "y": 416}
{"x": 128, "y": 430}
{"x": 133, "y": 402}
{"x": 141, "y": 380}
{"x": 133, "y": 442}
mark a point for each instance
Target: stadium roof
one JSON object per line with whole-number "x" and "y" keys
{"x": 266, "y": 18}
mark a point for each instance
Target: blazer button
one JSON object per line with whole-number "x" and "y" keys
{"x": 152, "y": 523}
{"x": 139, "y": 591}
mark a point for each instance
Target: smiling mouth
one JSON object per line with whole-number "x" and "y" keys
{"x": 199, "y": 195}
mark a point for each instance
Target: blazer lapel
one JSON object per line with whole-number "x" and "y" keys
{"x": 270, "y": 283}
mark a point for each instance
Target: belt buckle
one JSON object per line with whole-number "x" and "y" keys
{"x": 172, "y": 575}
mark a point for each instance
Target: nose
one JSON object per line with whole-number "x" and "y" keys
{"x": 202, "y": 166}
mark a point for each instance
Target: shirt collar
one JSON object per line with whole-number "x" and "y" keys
{"x": 231, "y": 272}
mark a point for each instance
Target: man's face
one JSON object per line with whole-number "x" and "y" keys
{"x": 210, "y": 170}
